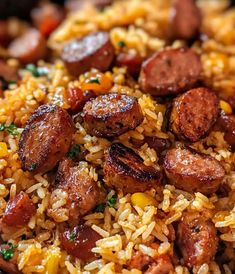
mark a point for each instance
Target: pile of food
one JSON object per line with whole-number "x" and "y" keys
{"x": 117, "y": 138}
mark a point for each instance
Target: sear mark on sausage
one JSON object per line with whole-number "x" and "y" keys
{"x": 226, "y": 124}
{"x": 83, "y": 192}
{"x": 196, "y": 239}
{"x": 28, "y": 48}
{"x": 92, "y": 51}
{"x": 79, "y": 241}
{"x": 19, "y": 210}
{"x": 46, "y": 138}
{"x": 185, "y": 19}
{"x": 194, "y": 113}
{"x": 125, "y": 170}
{"x": 112, "y": 115}
{"x": 193, "y": 172}
{"x": 170, "y": 71}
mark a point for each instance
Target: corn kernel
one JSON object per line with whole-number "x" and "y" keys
{"x": 142, "y": 200}
{"x": 226, "y": 108}
{"x": 52, "y": 260}
{"x": 3, "y": 149}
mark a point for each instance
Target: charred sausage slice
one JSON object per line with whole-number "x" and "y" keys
{"x": 197, "y": 239}
{"x": 79, "y": 241}
{"x": 19, "y": 210}
{"x": 92, "y": 51}
{"x": 112, "y": 115}
{"x": 185, "y": 19}
{"x": 194, "y": 113}
{"x": 83, "y": 192}
{"x": 125, "y": 170}
{"x": 226, "y": 124}
{"x": 193, "y": 172}
{"x": 132, "y": 62}
{"x": 170, "y": 71}
{"x": 28, "y": 48}
{"x": 46, "y": 138}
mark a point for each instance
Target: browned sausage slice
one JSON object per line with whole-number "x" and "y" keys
{"x": 79, "y": 241}
{"x": 170, "y": 71}
{"x": 7, "y": 72}
{"x": 185, "y": 19}
{"x": 193, "y": 172}
{"x": 125, "y": 170}
{"x": 226, "y": 124}
{"x": 19, "y": 210}
{"x": 159, "y": 264}
{"x": 197, "y": 239}
{"x": 131, "y": 61}
{"x": 28, "y": 48}
{"x": 92, "y": 51}
{"x": 194, "y": 113}
{"x": 112, "y": 115}
{"x": 83, "y": 192}
{"x": 9, "y": 267}
{"x": 46, "y": 138}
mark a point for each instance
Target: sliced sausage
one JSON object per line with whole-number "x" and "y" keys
{"x": 196, "y": 239}
{"x": 92, "y": 51}
{"x": 4, "y": 33}
{"x": 112, "y": 115}
{"x": 159, "y": 264}
{"x": 192, "y": 171}
{"x": 8, "y": 267}
{"x": 19, "y": 210}
{"x": 83, "y": 192}
{"x": 185, "y": 19}
{"x": 170, "y": 71}
{"x": 28, "y": 48}
{"x": 77, "y": 98}
{"x": 132, "y": 62}
{"x": 47, "y": 18}
{"x": 226, "y": 124}
{"x": 72, "y": 5}
{"x": 158, "y": 144}
{"x": 46, "y": 138}
{"x": 125, "y": 170}
{"x": 194, "y": 113}
{"x": 7, "y": 72}
{"x": 79, "y": 241}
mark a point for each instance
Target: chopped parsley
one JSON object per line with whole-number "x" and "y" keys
{"x": 11, "y": 129}
{"x": 33, "y": 166}
{"x": 73, "y": 153}
{"x": 94, "y": 81}
{"x": 99, "y": 208}
{"x": 8, "y": 253}
{"x": 112, "y": 201}
{"x": 72, "y": 236}
{"x": 36, "y": 71}
{"x": 121, "y": 44}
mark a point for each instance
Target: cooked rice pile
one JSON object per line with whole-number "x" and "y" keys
{"x": 125, "y": 228}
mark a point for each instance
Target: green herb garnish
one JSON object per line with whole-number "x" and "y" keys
{"x": 73, "y": 153}
{"x": 112, "y": 201}
{"x": 121, "y": 44}
{"x": 33, "y": 166}
{"x": 11, "y": 129}
{"x": 72, "y": 236}
{"x": 94, "y": 81}
{"x": 36, "y": 71}
{"x": 100, "y": 208}
{"x": 8, "y": 253}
